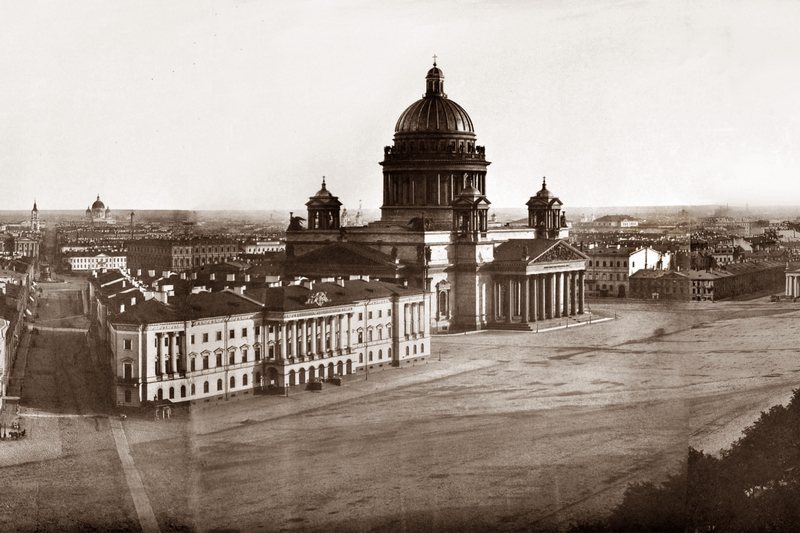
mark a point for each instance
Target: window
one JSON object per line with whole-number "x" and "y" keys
{"x": 361, "y": 358}
{"x": 380, "y": 313}
{"x": 219, "y": 335}
{"x": 370, "y": 356}
{"x": 231, "y": 334}
{"x": 369, "y": 335}
{"x": 205, "y": 387}
{"x": 192, "y": 390}
{"x": 172, "y": 393}
{"x": 258, "y": 331}
{"x": 244, "y": 355}
{"x": 205, "y": 363}
{"x": 219, "y": 384}
{"x": 361, "y": 316}
{"x": 231, "y": 358}
{"x": 258, "y": 354}
{"x": 422, "y": 348}
{"x": 415, "y": 349}
{"x": 380, "y": 354}
{"x": 127, "y": 371}
{"x": 219, "y": 359}
{"x": 244, "y": 380}
{"x": 191, "y": 339}
{"x": 370, "y": 315}
{"x": 166, "y": 340}
{"x": 183, "y": 391}
{"x": 244, "y": 332}
{"x": 126, "y": 344}
{"x": 389, "y": 312}
{"x": 233, "y": 382}
{"x": 205, "y": 337}
{"x": 360, "y": 337}
{"x": 590, "y": 262}
{"x": 128, "y": 396}
{"x": 192, "y": 365}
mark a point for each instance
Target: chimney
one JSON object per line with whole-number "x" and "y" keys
{"x": 340, "y": 282}
{"x": 121, "y": 308}
{"x": 212, "y": 277}
{"x": 247, "y": 277}
{"x": 138, "y": 271}
{"x": 133, "y": 301}
{"x": 230, "y": 277}
{"x": 183, "y": 275}
{"x": 194, "y": 275}
{"x": 151, "y": 273}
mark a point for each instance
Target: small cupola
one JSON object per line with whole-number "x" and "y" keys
{"x": 323, "y": 210}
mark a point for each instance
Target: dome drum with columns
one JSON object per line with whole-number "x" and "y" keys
{"x": 433, "y": 158}
{"x": 435, "y": 233}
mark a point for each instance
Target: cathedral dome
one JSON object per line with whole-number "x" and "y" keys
{"x": 434, "y": 112}
{"x": 98, "y": 204}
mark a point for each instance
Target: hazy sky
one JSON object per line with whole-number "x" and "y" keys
{"x": 220, "y": 105}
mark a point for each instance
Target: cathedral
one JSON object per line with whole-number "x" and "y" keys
{"x": 435, "y": 231}
{"x": 99, "y": 212}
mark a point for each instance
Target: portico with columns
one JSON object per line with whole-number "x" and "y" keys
{"x": 792, "y": 283}
{"x": 536, "y": 280}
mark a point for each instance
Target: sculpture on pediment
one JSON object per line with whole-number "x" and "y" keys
{"x": 317, "y": 298}
{"x": 558, "y": 253}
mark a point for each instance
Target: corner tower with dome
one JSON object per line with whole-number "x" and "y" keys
{"x": 435, "y": 233}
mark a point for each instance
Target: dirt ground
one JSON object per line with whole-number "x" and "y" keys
{"x": 508, "y": 431}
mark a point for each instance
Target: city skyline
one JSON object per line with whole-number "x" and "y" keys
{"x": 220, "y": 108}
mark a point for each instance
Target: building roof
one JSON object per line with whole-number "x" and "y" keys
{"x": 189, "y": 307}
{"x": 533, "y": 250}
{"x": 344, "y": 259}
{"x": 98, "y": 204}
{"x": 298, "y": 297}
{"x": 614, "y": 218}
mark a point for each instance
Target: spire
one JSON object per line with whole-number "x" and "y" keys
{"x": 323, "y": 183}
{"x": 34, "y": 205}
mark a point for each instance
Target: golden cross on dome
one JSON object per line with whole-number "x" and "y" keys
{"x": 434, "y": 59}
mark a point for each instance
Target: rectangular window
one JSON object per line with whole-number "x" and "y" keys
{"x": 258, "y": 331}
{"x": 205, "y": 337}
{"x": 244, "y": 356}
{"x": 205, "y": 362}
{"x": 219, "y": 335}
{"x": 389, "y": 312}
{"x": 192, "y": 339}
{"x": 244, "y": 332}
{"x": 370, "y": 315}
{"x": 127, "y": 344}
{"x": 361, "y": 316}
{"x": 231, "y": 334}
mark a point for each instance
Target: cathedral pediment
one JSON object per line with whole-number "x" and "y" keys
{"x": 521, "y": 252}
{"x": 560, "y": 252}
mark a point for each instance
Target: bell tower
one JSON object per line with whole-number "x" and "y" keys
{"x": 323, "y": 210}
{"x": 544, "y": 213}
{"x": 35, "y": 218}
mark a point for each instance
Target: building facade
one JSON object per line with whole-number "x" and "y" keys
{"x": 608, "y": 270}
{"x": 177, "y": 255}
{"x": 224, "y": 344}
{"x": 100, "y": 261}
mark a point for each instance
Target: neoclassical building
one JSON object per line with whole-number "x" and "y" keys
{"x": 435, "y": 232}
{"x": 99, "y": 212}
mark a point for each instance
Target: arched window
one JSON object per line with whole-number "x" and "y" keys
{"x": 370, "y": 356}
{"x": 219, "y": 384}
{"x": 422, "y": 348}
{"x": 415, "y": 349}
{"x": 205, "y": 387}
{"x": 244, "y": 380}
{"x": 360, "y": 337}
{"x": 361, "y": 358}
{"x": 233, "y": 382}
{"x": 183, "y": 391}
{"x": 192, "y": 390}
{"x": 406, "y": 350}
{"x": 380, "y": 354}
{"x": 172, "y": 393}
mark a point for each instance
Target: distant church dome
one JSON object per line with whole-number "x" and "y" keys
{"x": 98, "y": 204}
{"x": 434, "y": 112}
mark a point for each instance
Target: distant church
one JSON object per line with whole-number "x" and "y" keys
{"x": 99, "y": 213}
{"x": 434, "y": 230}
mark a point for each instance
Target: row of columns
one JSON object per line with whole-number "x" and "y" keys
{"x": 175, "y": 352}
{"x": 539, "y": 296}
{"x": 328, "y": 333}
{"x": 413, "y": 319}
{"x": 793, "y": 284}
